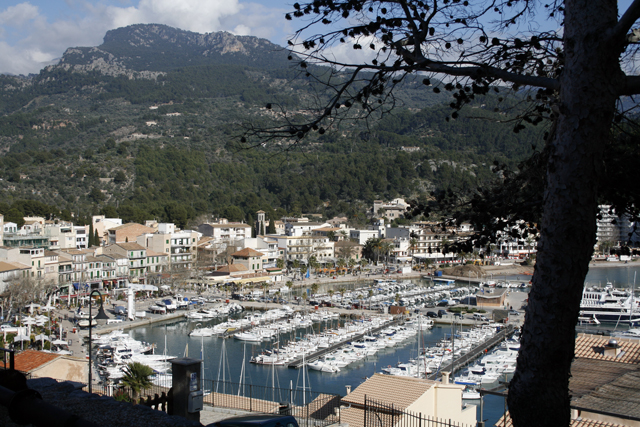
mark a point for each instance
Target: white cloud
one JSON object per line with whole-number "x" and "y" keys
{"x": 241, "y": 30}
{"x": 32, "y": 38}
{"x": 19, "y": 61}
{"x": 18, "y": 15}
{"x": 344, "y": 53}
{"x": 192, "y": 15}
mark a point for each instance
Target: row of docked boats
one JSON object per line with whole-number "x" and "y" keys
{"x": 383, "y": 293}
{"x": 430, "y": 359}
{"x": 346, "y": 349}
{"x": 493, "y": 365}
{"x": 117, "y": 349}
{"x": 220, "y": 310}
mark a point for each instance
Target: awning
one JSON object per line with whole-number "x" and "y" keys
{"x": 77, "y": 285}
{"x": 254, "y": 279}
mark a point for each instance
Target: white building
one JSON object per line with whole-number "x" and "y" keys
{"x": 361, "y": 236}
{"x": 102, "y": 225}
{"x": 179, "y": 245}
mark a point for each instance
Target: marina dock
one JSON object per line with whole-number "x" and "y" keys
{"x": 475, "y": 353}
{"x": 317, "y": 354}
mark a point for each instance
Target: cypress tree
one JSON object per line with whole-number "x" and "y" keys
{"x": 90, "y": 241}
{"x": 271, "y": 228}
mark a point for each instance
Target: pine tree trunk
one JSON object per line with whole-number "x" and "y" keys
{"x": 538, "y": 393}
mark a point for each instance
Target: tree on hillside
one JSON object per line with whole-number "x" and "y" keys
{"x": 271, "y": 228}
{"x": 575, "y": 76}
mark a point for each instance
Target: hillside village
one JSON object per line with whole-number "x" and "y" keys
{"x": 108, "y": 254}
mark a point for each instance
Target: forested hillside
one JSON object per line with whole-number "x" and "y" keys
{"x": 125, "y": 130}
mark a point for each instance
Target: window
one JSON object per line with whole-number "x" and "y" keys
{"x": 167, "y": 241}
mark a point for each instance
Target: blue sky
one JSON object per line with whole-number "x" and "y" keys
{"x": 36, "y": 33}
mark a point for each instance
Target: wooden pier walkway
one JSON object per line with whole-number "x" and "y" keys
{"x": 475, "y": 352}
{"x": 297, "y": 363}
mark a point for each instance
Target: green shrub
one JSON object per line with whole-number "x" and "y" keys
{"x": 121, "y": 396}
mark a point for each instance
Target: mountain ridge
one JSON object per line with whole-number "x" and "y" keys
{"x": 147, "y": 125}
{"x": 149, "y": 49}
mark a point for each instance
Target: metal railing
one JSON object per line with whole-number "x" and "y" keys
{"x": 8, "y": 358}
{"x": 380, "y": 414}
{"x": 310, "y": 408}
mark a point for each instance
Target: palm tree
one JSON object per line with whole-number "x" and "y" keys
{"x": 314, "y": 289}
{"x": 331, "y": 292}
{"x": 341, "y": 263}
{"x": 265, "y": 291}
{"x": 280, "y": 263}
{"x": 413, "y": 244}
{"x": 295, "y": 265}
{"x": 352, "y": 263}
{"x": 314, "y": 264}
{"x": 289, "y": 285}
{"x": 136, "y": 377}
{"x": 346, "y": 251}
{"x": 342, "y": 291}
{"x": 370, "y": 295}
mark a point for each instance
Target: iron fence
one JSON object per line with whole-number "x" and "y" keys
{"x": 7, "y": 360}
{"x": 309, "y": 407}
{"x": 380, "y": 414}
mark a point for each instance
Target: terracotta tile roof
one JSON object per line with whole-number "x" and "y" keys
{"x": 154, "y": 253}
{"x": 232, "y": 268}
{"x": 29, "y": 360}
{"x": 399, "y": 391}
{"x": 72, "y": 251}
{"x": 131, "y": 246}
{"x": 247, "y": 252}
{"x": 588, "y": 375}
{"x": 10, "y": 266}
{"x": 620, "y": 397}
{"x": 353, "y": 417}
{"x": 135, "y": 226}
{"x": 592, "y": 346}
{"x": 205, "y": 239}
{"x": 578, "y": 422}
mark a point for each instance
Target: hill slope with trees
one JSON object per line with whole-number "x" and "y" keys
{"x": 125, "y": 130}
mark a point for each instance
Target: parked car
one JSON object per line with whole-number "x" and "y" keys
{"x": 432, "y": 314}
{"x": 480, "y": 317}
{"x": 514, "y": 312}
{"x": 442, "y": 313}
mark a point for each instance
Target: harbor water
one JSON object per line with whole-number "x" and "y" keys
{"x": 173, "y": 337}
{"x": 178, "y": 343}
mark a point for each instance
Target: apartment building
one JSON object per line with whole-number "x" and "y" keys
{"x": 302, "y": 247}
{"x": 136, "y": 258}
{"x": 102, "y": 225}
{"x": 179, "y": 245}
{"x": 127, "y": 233}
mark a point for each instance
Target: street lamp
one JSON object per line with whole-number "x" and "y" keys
{"x": 99, "y": 317}
{"x": 201, "y": 353}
